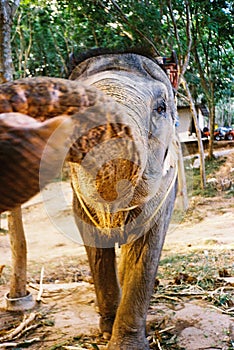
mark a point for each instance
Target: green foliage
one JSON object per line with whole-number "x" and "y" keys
{"x": 46, "y": 32}
{"x": 211, "y": 166}
{"x": 41, "y": 38}
{"x": 210, "y": 73}
{"x": 193, "y": 176}
{"x": 205, "y": 268}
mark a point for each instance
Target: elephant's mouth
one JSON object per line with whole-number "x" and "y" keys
{"x": 115, "y": 178}
{"x": 105, "y": 193}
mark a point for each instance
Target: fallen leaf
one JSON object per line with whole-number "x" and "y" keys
{"x": 224, "y": 273}
{"x": 228, "y": 280}
{"x": 184, "y": 278}
{"x": 1, "y": 269}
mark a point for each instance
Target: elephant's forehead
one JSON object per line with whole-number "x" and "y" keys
{"x": 135, "y": 63}
{"x": 127, "y": 80}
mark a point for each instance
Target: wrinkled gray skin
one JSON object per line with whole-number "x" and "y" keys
{"x": 145, "y": 93}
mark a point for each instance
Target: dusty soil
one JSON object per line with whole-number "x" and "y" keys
{"x": 67, "y": 314}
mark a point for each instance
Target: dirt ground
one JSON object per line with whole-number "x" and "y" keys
{"x": 67, "y": 311}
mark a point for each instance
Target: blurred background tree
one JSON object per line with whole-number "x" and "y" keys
{"x": 46, "y": 32}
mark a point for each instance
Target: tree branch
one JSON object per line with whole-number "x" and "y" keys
{"x": 198, "y": 63}
{"x": 14, "y": 6}
{"x": 125, "y": 19}
{"x": 198, "y": 132}
{"x": 169, "y": 5}
{"x": 189, "y": 41}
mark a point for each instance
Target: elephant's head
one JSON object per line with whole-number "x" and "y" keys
{"x": 107, "y": 193}
{"x": 122, "y": 153}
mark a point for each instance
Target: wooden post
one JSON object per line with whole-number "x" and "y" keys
{"x": 16, "y": 231}
{"x": 183, "y": 202}
{"x": 19, "y": 255}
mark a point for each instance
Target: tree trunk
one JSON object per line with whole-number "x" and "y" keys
{"x": 198, "y": 132}
{"x": 16, "y": 231}
{"x": 7, "y": 11}
{"x": 212, "y": 122}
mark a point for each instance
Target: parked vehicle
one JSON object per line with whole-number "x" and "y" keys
{"x": 221, "y": 133}
{"x": 230, "y": 135}
{"x": 205, "y": 132}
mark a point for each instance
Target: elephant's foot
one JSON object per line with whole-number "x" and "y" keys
{"x": 105, "y": 325}
{"x": 128, "y": 344}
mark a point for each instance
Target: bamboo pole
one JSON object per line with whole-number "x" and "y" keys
{"x": 19, "y": 254}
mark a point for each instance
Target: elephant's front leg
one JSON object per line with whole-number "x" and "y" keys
{"x": 103, "y": 267}
{"x": 137, "y": 274}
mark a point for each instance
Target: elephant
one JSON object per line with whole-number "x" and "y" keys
{"x": 138, "y": 224}
{"x": 124, "y": 180}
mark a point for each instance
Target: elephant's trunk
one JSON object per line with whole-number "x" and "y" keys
{"x": 22, "y": 142}
{"x": 89, "y": 120}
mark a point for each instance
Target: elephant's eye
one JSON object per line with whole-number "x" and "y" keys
{"x": 161, "y": 108}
